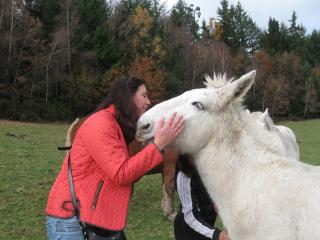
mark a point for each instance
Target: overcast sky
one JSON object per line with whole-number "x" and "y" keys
{"x": 308, "y": 11}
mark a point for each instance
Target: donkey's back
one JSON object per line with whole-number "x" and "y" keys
{"x": 279, "y": 201}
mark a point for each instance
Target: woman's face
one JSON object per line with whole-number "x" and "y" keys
{"x": 141, "y": 100}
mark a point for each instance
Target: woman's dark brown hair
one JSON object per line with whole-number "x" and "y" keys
{"x": 120, "y": 94}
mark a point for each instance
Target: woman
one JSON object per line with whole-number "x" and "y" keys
{"x": 103, "y": 172}
{"x": 197, "y": 215}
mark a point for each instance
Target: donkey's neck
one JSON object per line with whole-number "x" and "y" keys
{"x": 230, "y": 155}
{"x": 216, "y": 162}
{"x": 220, "y": 171}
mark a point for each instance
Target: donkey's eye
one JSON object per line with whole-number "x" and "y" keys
{"x": 198, "y": 105}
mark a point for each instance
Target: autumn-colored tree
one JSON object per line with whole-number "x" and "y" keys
{"x": 270, "y": 89}
{"x": 147, "y": 69}
{"x": 289, "y": 66}
{"x": 310, "y": 98}
{"x": 59, "y": 57}
{"x": 217, "y": 33}
{"x": 111, "y": 75}
{"x": 240, "y": 63}
{"x": 141, "y": 23}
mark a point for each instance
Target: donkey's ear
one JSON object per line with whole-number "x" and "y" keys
{"x": 266, "y": 119}
{"x": 265, "y": 115}
{"x": 236, "y": 90}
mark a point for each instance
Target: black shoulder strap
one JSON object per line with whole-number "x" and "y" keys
{"x": 64, "y": 148}
{"x": 74, "y": 201}
{"x": 73, "y": 194}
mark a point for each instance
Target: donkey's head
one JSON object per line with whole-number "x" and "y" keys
{"x": 203, "y": 110}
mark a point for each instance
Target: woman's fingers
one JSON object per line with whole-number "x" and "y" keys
{"x": 178, "y": 125}
{"x": 167, "y": 131}
{"x": 174, "y": 124}
{"x": 161, "y": 122}
{"x": 172, "y": 118}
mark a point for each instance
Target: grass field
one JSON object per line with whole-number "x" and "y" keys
{"x": 29, "y": 163}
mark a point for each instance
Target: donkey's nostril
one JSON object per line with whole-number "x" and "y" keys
{"x": 146, "y": 126}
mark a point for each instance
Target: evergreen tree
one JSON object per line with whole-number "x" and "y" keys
{"x": 185, "y": 16}
{"x": 296, "y": 35}
{"x": 60, "y": 56}
{"x": 313, "y": 48}
{"x": 225, "y": 19}
{"x": 94, "y": 34}
{"x": 205, "y": 34}
{"x": 274, "y": 40}
{"x": 246, "y": 31}
{"x": 239, "y": 31}
{"x": 46, "y": 11}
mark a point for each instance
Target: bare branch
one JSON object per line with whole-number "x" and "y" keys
{"x": 47, "y": 72}
{"x": 2, "y": 13}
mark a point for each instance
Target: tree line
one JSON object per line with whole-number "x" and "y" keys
{"x": 59, "y": 57}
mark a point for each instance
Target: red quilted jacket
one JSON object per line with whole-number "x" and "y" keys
{"x": 103, "y": 173}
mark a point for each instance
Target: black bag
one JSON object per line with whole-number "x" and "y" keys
{"x": 114, "y": 236}
{"x": 89, "y": 234}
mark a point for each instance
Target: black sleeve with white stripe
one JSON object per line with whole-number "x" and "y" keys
{"x": 190, "y": 209}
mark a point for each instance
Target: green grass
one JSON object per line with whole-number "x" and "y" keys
{"x": 29, "y": 163}
{"x": 308, "y": 137}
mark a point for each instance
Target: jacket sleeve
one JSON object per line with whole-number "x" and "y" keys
{"x": 105, "y": 144}
{"x": 195, "y": 222}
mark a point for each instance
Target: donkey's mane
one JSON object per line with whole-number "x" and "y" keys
{"x": 217, "y": 81}
{"x": 220, "y": 80}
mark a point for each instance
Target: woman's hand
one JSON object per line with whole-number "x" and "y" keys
{"x": 166, "y": 132}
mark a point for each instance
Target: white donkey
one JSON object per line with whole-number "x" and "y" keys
{"x": 260, "y": 194}
{"x": 283, "y": 142}
{"x": 279, "y": 139}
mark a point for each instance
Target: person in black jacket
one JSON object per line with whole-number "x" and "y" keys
{"x": 196, "y": 217}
